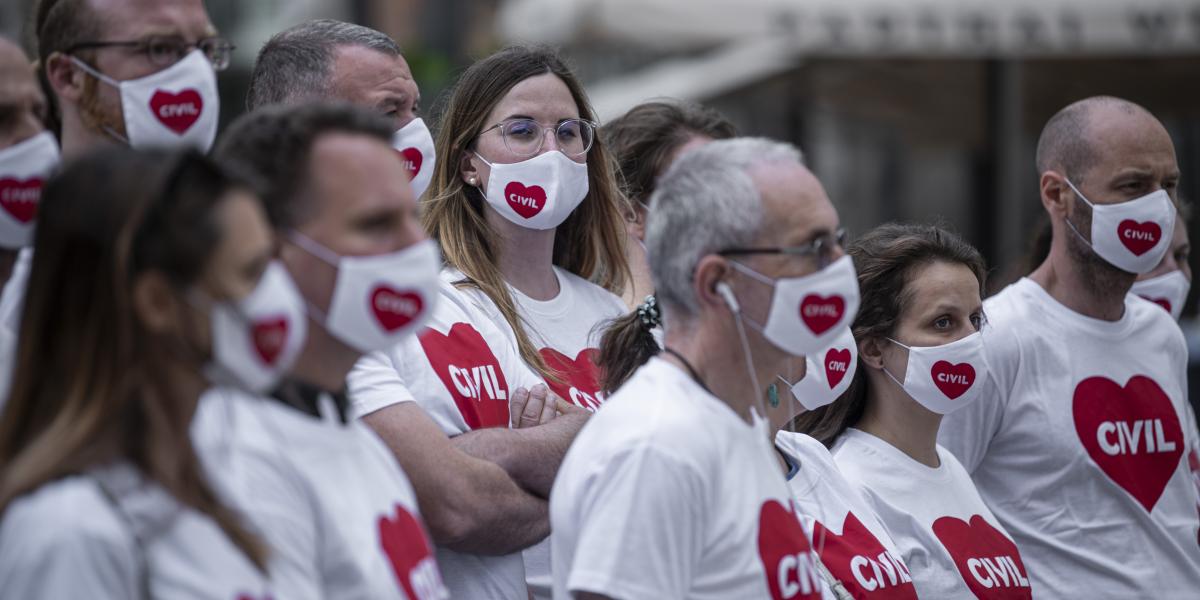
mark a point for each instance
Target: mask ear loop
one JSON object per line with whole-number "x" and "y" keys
{"x": 110, "y": 81}
{"x": 727, "y": 294}
{"x": 323, "y": 254}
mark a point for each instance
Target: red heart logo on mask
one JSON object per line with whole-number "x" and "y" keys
{"x": 470, "y": 372}
{"x": 395, "y": 309}
{"x": 953, "y": 380}
{"x": 1132, "y": 433}
{"x": 407, "y": 547}
{"x": 1139, "y": 238}
{"x": 987, "y": 560}
{"x": 20, "y": 197}
{"x": 787, "y": 558}
{"x": 1163, "y": 302}
{"x": 821, "y": 313}
{"x": 178, "y": 112}
{"x": 270, "y": 336}
{"x": 526, "y": 201}
{"x": 861, "y": 563}
{"x": 580, "y": 378}
{"x": 837, "y": 364}
{"x": 412, "y": 159}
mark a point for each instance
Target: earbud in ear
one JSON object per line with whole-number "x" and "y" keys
{"x": 726, "y": 293}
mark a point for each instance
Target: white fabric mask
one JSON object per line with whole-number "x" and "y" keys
{"x": 1132, "y": 236}
{"x": 414, "y": 143}
{"x": 944, "y": 378}
{"x": 808, "y": 313}
{"x": 257, "y": 339}
{"x": 24, "y": 169}
{"x": 1169, "y": 291}
{"x": 377, "y": 300}
{"x": 177, "y": 106}
{"x": 828, "y": 373}
{"x": 539, "y": 193}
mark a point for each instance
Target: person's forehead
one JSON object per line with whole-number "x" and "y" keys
{"x": 795, "y": 205}
{"x": 366, "y": 71}
{"x": 133, "y": 19}
{"x": 542, "y": 96}
{"x": 350, "y": 168}
{"x": 1129, "y": 140}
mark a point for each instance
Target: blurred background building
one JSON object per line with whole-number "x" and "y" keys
{"x": 906, "y": 109}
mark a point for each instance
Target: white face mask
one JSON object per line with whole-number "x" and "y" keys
{"x": 24, "y": 169}
{"x": 1168, "y": 291}
{"x": 828, "y": 373}
{"x": 944, "y": 378}
{"x": 1132, "y": 236}
{"x": 257, "y": 339}
{"x": 808, "y": 313}
{"x": 177, "y": 106}
{"x": 415, "y": 145}
{"x": 539, "y": 193}
{"x": 377, "y": 300}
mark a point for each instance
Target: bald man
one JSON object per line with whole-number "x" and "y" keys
{"x": 1079, "y": 446}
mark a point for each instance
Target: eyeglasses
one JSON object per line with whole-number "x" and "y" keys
{"x": 822, "y": 248}
{"x": 166, "y": 51}
{"x": 524, "y": 137}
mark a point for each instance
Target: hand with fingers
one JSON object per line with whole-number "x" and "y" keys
{"x": 532, "y": 407}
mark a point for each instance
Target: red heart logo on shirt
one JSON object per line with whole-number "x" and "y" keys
{"x": 526, "y": 201}
{"x": 1132, "y": 433}
{"x": 861, "y": 563}
{"x": 821, "y": 313}
{"x": 20, "y": 197}
{"x": 412, "y": 159}
{"x": 579, "y": 378}
{"x": 837, "y": 364}
{"x": 407, "y": 547}
{"x": 1163, "y": 302}
{"x": 269, "y": 336}
{"x": 787, "y": 558}
{"x": 986, "y": 558}
{"x": 467, "y": 367}
{"x": 1139, "y": 238}
{"x": 393, "y": 308}
{"x": 179, "y": 111}
{"x": 953, "y": 380}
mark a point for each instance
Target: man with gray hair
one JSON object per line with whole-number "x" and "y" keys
{"x": 674, "y": 489}
{"x": 327, "y": 60}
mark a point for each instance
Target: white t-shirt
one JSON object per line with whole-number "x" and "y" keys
{"x": 329, "y": 498}
{"x": 951, "y": 542}
{"x": 846, "y": 533}
{"x": 667, "y": 493}
{"x": 566, "y": 330}
{"x": 1077, "y": 446}
{"x": 69, "y": 539}
{"x": 460, "y": 370}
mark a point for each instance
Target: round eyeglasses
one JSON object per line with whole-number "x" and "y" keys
{"x": 525, "y": 137}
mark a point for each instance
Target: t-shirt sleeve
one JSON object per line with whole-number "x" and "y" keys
{"x": 637, "y": 539}
{"x": 375, "y": 383}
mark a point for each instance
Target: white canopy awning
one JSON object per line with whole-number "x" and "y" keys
{"x": 869, "y": 27}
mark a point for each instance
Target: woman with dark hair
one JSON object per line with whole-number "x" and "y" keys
{"x": 149, "y": 275}
{"x": 920, "y": 354}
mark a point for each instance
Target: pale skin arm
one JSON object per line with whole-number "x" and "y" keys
{"x": 470, "y": 505}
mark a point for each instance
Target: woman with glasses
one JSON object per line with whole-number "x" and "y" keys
{"x": 101, "y": 492}
{"x": 919, "y": 342}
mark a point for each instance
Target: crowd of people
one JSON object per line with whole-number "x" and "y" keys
{"x": 325, "y": 354}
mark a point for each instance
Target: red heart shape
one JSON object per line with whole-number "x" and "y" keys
{"x": 526, "y": 201}
{"x": 987, "y": 560}
{"x": 837, "y": 364}
{"x": 395, "y": 309}
{"x": 470, "y": 372}
{"x": 412, "y": 159}
{"x": 579, "y": 379}
{"x": 1139, "y": 238}
{"x": 821, "y": 313}
{"x": 1132, "y": 433}
{"x": 20, "y": 197}
{"x": 1163, "y": 302}
{"x": 179, "y": 111}
{"x": 269, "y": 337}
{"x": 407, "y": 547}
{"x": 861, "y": 563}
{"x": 788, "y": 560}
{"x": 953, "y": 380}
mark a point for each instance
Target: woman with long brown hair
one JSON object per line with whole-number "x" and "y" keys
{"x": 101, "y": 492}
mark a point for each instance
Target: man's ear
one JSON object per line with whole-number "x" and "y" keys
{"x": 870, "y": 350}
{"x": 712, "y": 273}
{"x": 1057, "y": 197}
{"x": 65, "y": 78}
